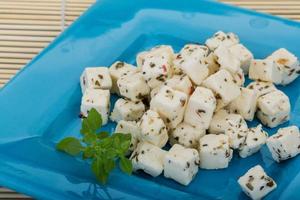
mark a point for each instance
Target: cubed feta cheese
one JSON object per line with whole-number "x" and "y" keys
{"x": 285, "y": 143}
{"x": 221, "y": 83}
{"x": 239, "y": 77}
{"x": 274, "y": 108}
{"x": 133, "y": 87}
{"x": 97, "y": 99}
{"x": 170, "y": 104}
{"x": 181, "y": 83}
{"x": 156, "y": 70}
{"x": 165, "y": 50}
{"x": 255, "y": 139}
{"x": 181, "y": 164}
{"x": 213, "y": 65}
{"x": 153, "y": 129}
{"x": 95, "y": 78}
{"x": 256, "y": 183}
{"x": 226, "y": 39}
{"x": 245, "y": 104}
{"x": 261, "y": 87}
{"x": 191, "y": 60}
{"x": 265, "y": 70}
{"x": 117, "y": 70}
{"x": 214, "y": 151}
{"x": 148, "y": 158}
{"x": 243, "y": 54}
{"x": 288, "y": 64}
{"x": 200, "y": 108}
{"x": 227, "y": 60}
{"x": 186, "y": 135}
{"x": 129, "y": 127}
{"x": 127, "y": 110}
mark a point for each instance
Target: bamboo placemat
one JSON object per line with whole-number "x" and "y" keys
{"x": 27, "y": 26}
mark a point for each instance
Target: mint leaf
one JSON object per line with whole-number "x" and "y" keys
{"x": 92, "y": 122}
{"x": 70, "y": 145}
{"x": 89, "y": 138}
{"x": 103, "y": 134}
{"x": 109, "y": 165}
{"x": 99, "y": 171}
{"x": 125, "y": 165}
{"x": 88, "y": 153}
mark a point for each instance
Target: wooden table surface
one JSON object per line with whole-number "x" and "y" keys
{"x": 27, "y": 26}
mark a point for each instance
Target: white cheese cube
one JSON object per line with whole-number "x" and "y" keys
{"x": 221, "y": 38}
{"x": 127, "y": 110}
{"x": 191, "y": 60}
{"x": 97, "y": 99}
{"x": 236, "y": 136}
{"x": 170, "y": 104}
{"x": 245, "y": 104}
{"x": 200, "y": 108}
{"x": 288, "y": 64}
{"x": 264, "y": 70}
{"x": 153, "y": 129}
{"x": 222, "y": 120}
{"x": 214, "y": 151}
{"x": 256, "y": 183}
{"x": 256, "y": 138}
{"x": 148, "y": 158}
{"x": 165, "y": 50}
{"x": 285, "y": 143}
{"x": 221, "y": 83}
{"x": 95, "y": 78}
{"x": 261, "y": 87}
{"x": 243, "y": 54}
{"x": 213, "y": 65}
{"x": 156, "y": 69}
{"x": 154, "y": 91}
{"x": 272, "y": 120}
{"x": 227, "y": 60}
{"x": 181, "y": 164}
{"x": 274, "y": 108}
{"x": 133, "y": 87}
{"x": 181, "y": 83}
{"x": 129, "y": 127}
{"x": 186, "y": 135}
{"x": 117, "y": 70}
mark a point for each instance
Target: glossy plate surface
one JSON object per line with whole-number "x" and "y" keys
{"x": 41, "y": 104}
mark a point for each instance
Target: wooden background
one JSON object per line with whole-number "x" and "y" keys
{"x": 27, "y": 26}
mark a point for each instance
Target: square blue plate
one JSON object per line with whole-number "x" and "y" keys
{"x": 41, "y": 104}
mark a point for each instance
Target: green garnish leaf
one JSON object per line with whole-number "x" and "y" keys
{"x": 92, "y": 122}
{"x": 103, "y": 149}
{"x": 125, "y": 165}
{"x": 70, "y": 145}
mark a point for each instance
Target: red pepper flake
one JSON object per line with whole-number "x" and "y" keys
{"x": 192, "y": 89}
{"x": 164, "y": 68}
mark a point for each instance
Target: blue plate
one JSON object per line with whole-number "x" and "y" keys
{"x": 41, "y": 104}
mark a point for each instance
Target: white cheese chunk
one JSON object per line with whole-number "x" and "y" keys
{"x": 256, "y": 138}
{"x": 285, "y": 143}
{"x": 221, "y": 38}
{"x": 200, "y": 108}
{"x": 243, "y": 54}
{"x": 256, "y": 183}
{"x": 127, "y": 110}
{"x": 117, "y": 70}
{"x": 97, "y": 99}
{"x": 148, "y": 158}
{"x": 186, "y": 135}
{"x": 245, "y": 104}
{"x": 212, "y": 61}
{"x": 227, "y": 60}
{"x": 170, "y": 104}
{"x": 181, "y": 83}
{"x": 191, "y": 60}
{"x": 261, "y": 87}
{"x": 153, "y": 129}
{"x": 221, "y": 83}
{"x": 181, "y": 164}
{"x": 214, "y": 151}
{"x": 95, "y": 78}
{"x": 133, "y": 87}
{"x": 265, "y": 70}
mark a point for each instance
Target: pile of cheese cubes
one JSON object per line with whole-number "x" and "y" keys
{"x": 196, "y": 100}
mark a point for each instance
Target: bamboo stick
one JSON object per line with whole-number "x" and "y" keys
{"x": 31, "y": 44}
{"x": 19, "y": 50}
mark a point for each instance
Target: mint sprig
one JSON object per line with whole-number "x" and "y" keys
{"x": 104, "y": 150}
